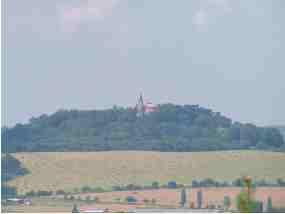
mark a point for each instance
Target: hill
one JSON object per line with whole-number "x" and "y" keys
{"x": 171, "y": 128}
{"x": 281, "y": 129}
{"x": 69, "y": 170}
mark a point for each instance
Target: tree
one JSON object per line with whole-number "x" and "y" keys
{"x": 88, "y": 198}
{"x": 146, "y": 201}
{"x": 245, "y": 202}
{"x": 280, "y": 182}
{"x": 183, "y": 197}
{"x": 171, "y": 128}
{"x": 269, "y": 205}
{"x": 155, "y": 185}
{"x": 131, "y": 199}
{"x": 172, "y": 184}
{"x": 86, "y": 189}
{"x": 199, "y": 199}
{"x": 227, "y": 202}
{"x": 75, "y": 209}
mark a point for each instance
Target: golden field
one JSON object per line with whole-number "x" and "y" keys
{"x": 69, "y": 170}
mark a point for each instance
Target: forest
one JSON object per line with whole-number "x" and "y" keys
{"x": 177, "y": 128}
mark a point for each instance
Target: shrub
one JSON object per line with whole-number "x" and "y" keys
{"x": 60, "y": 192}
{"x": 269, "y": 204}
{"x": 8, "y": 191}
{"x": 146, "y": 201}
{"x": 155, "y": 185}
{"x": 76, "y": 190}
{"x": 227, "y": 202}
{"x": 117, "y": 188}
{"x": 183, "y": 197}
{"x": 86, "y": 189}
{"x": 131, "y": 199}
{"x": 98, "y": 189}
{"x": 96, "y": 199}
{"x": 280, "y": 182}
{"x": 133, "y": 187}
{"x": 88, "y": 198}
{"x": 195, "y": 183}
{"x": 31, "y": 193}
{"x": 44, "y": 193}
{"x": 199, "y": 199}
{"x": 172, "y": 184}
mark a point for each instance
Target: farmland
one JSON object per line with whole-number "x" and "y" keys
{"x": 164, "y": 198}
{"x": 69, "y": 170}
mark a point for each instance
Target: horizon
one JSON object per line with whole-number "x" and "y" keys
{"x": 133, "y": 107}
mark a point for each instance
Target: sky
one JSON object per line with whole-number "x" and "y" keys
{"x": 226, "y": 55}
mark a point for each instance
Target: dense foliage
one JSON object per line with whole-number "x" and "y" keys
{"x": 11, "y": 167}
{"x": 172, "y": 128}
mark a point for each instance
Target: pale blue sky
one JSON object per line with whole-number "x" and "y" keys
{"x": 226, "y": 55}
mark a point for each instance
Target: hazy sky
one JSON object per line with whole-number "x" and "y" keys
{"x": 226, "y": 55}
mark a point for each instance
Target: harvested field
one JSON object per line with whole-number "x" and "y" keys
{"x": 211, "y": 195}
{"x": 69, "y": 170}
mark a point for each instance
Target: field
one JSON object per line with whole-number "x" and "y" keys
{"x": 164, "y": 198}
{"x": 59, "y": 170}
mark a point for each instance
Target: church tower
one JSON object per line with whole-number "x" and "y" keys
{"x": 140, "y": 107}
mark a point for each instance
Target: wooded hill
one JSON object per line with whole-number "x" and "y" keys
{"x": 172, "y": 128}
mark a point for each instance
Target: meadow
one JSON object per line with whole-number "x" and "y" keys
{"x": 70, "y": 170}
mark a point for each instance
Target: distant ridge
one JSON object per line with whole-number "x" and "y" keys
{"x": 169, "y": 128}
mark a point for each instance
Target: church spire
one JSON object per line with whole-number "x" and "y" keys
{"x": 140, "y": 106}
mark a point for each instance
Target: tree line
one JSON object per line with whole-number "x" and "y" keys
{"x": 171, "y": 128}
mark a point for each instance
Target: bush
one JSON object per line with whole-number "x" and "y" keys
{"x": 131, "y": 199}
{"x": 238, "y": 182}
{"x": 172, "y": 184}
{"x": 96, "y": 199}
{"x": 44, "y": 193}
{"x": 227, "y": 202}
{"x": 88, "y": 198}
{"x": 98, "y": 189}
{"x": 133, "y": 187}
{"x": 86, "y": 189}
{"x": 60, "y": 192}
{"x": 31, "y": 193}
{"x": 117, "y": 188}
{"x": 7, "y": 191}
{"x": 199, "y": 199}
{"x": 280, "y": 182}
{"x": 195, "y": 183}
{"x": 155, "y": 185}
{"x": 146, "y": 201}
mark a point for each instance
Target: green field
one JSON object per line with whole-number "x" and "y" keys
{"x": 68, "y": 170}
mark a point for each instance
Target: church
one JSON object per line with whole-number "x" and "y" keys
{"x": 144, "y": 108}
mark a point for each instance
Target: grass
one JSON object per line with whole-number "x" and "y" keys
{"x": 68, "y": 170}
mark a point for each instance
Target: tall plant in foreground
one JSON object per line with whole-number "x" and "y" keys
{"x": 199, "y": 199}
{"x": 245, "y": 201}
{"x": 227, "y": 202}
{"x": 183, "y": 197}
